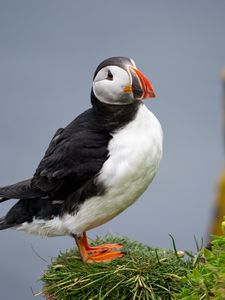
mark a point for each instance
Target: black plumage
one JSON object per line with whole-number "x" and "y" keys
{"x": 121, "y": 61}
{"x": 18, "y": 190}
{"x": 66, "y": 176}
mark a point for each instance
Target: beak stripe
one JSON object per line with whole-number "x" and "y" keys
{"x": 148, "y": 91}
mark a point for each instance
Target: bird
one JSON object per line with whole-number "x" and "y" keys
{"x": 95, "y": 167}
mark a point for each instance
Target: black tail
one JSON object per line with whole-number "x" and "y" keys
{"x": 20, "y": 211}
{"x": 20, "y": 190}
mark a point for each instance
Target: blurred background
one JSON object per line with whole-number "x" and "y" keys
{"x": 49, "y": 50}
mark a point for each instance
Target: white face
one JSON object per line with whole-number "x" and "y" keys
{"x": 111, "y": 85}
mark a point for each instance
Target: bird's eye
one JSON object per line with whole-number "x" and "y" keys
{"x": 109, "y": 75}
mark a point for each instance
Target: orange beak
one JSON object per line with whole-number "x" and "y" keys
{"x": 143, "y": 88}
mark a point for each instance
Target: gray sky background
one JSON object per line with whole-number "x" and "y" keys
{"x": 49, "y": 50}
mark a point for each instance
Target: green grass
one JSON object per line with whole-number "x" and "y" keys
{"x": 207, "y": 279}
{"x": 143, "y": 273}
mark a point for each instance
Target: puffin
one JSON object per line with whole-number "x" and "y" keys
{"x": 94, "y": 168}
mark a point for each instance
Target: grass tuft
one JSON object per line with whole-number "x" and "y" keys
{"x": 144, "y": 273}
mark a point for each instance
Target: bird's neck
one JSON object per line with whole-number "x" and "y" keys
{"x": 113, "y": 117}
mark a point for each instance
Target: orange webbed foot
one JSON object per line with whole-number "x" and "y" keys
{"x": 103, "y": 247}
{"x": 97, "y": 254}
{"x": 106, "y": 256}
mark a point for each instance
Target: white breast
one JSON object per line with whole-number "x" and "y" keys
{"x": 134, "y": 155}
{"x": 135, "y": 152}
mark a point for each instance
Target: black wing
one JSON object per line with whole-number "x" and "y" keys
{"x": 19, "y": 190}
{"x": 73, "y": 159}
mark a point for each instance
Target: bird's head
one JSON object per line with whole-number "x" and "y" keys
{"x": 118, "y": 81}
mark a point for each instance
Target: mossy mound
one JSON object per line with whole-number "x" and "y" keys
{"x": 143, "y": 273}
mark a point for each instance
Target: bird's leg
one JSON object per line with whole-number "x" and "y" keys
{"x": 81, "y": 247}
{"x": 106, "y": 254}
